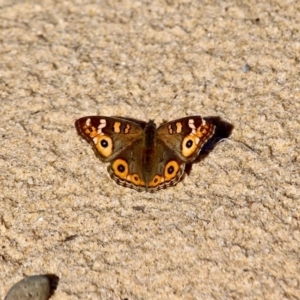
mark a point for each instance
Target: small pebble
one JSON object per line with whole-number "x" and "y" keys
{"x": 30, "y": 180}
{"x": 38, "y": 287}
{"x": 246, "y": 68}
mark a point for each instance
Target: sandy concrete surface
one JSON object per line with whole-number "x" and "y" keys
{"x": 229, "y": 230}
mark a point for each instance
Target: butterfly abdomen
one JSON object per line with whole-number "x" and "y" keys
{"x": 149, "y": 143}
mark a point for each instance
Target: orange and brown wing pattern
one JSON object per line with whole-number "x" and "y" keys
{"x": 186, "y": 136}
{"x": 108, "y": 135}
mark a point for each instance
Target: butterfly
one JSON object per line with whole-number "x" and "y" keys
{"x": 143, "y": 156}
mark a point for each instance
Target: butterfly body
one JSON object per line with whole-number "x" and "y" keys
{"x": 142, "y": 156}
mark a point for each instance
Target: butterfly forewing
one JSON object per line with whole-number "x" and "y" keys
{"x": 186, "y": 136}
{"x": 108, "y": 135}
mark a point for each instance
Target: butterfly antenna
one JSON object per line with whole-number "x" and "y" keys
{"x": 138, "y": 105}
{"x": 167, "y": 108}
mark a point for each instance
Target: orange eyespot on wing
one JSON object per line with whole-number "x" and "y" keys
{"x": 197, "y": 138}
{"x": 120, "y": 168}
{"x": 92, "y": 130}
{"x": 171, "y": 170}
{"x": 157, "y": 180}
{"x": 104, "y": 145}
{"x": 189, "y": 145}
{"x": 135, "y": 179}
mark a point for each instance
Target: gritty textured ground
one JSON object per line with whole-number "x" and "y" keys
{"x": 229, "y": 230}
